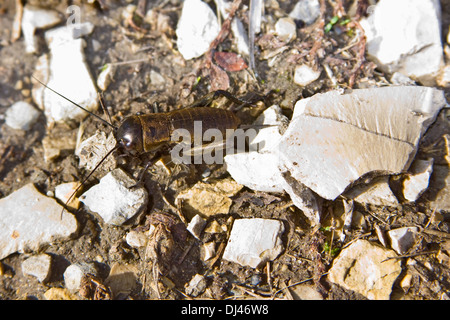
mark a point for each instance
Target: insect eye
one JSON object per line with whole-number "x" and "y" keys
{"x": 127, "y": 141}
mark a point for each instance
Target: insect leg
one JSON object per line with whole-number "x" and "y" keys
{"x": 208, "y": 98}
{"x": 151, "y": 162}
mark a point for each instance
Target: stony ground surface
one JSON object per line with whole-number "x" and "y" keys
{"x": 308, "y": 254}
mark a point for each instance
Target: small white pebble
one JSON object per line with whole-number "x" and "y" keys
{"x": 21, "y": 115}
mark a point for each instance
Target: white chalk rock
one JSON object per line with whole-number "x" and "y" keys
{"x": 362, "y": 267}
{"x": 376, "y": 192}
{"x": 36, "y": 18}
{"x": 21, "y": 115}
{"x": 64, "y": 191}
{"x": 335, "y": 139}
{"x": 105, "y": 77}
{"x": 258, "y": 170}
{"x": 69, "y": 76}
{"x": 405, "y": 36}
{"x": 196, "y": 226}
{"x": 92, "y": 150}
{"x": 38, "y": 266}
{"x": 255, "y": 241}
{"x": 416, "y": 183}
{"x": 75, "y": 272}
{"x": 306, "y": 10}
{"x": 136, "y": 239}
{"x": 29, "y": 220}
{"x": 304, "y": 75}
{"x": 114, "y": 200}
{"x": 440, "y": 180}
{"x": 402, "y": 239}
{"x": 286, "y": 29}
{"x": 196, "y": 286}
{"x": 196, "y": 29}
{"x": 208, "y": 250}
{"x": 81, "y": 29}
{"x": 303, "y": 198}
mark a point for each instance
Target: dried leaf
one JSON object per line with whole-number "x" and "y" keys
{"x": 230, "y": 61}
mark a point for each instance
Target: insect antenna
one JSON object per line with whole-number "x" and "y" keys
{"x": 76, "y": 104}
{"x": 105, "y": 110}
{"x": 99, "y": 118}
{"x": 87, "y": 177}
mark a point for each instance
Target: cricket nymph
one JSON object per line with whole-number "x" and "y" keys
{"x": 146, "y": 133}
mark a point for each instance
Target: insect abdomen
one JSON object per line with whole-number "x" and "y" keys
{"x": 211, "y": 118}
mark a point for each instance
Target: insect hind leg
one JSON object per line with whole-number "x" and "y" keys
{"x": 149, "y": 163}
{"x": 210, "y": 97}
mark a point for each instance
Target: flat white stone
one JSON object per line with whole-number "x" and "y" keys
{"x": 75, "y": 272}
{"x": 405, "y": 36}
{"x": 38, "y": 266}
{"x": 65, "y": 190}
{"x": 34, "y": 18}
{"x": 402, "y": 239}
{"x": 113, "y": 199}
{"x": 30, "y": 220}
{"x": 440, "y": 180}
{"x": 258, "y": 170}
{"x": 21, "y": 115}
{"x": 286, "y": 29}
{"x": 207, "y": 199}
{"x": 305, "y": 292}
{"x": 81, "y": 29}
{"x": 376, "y": 192}
{"x": 416, "y": 183}
{"x": 196, "y": 226}
{"x": 69, "y": 76}
{"x": 303, "y": 198}
{"x": 196, "y": 29}
{"x": 196, "y": 286}
{"x": 334, "y": 139}
{"x": 306, "y": 10}
{"x": 105, "y": 77}
{"x": 304, "y": 75}
{"x": 363, "y": 268}
{"x": 254, "y": 241}
{"x": 92, "y": 150}
{"x": 136, "y": 239}
{"x": 123, "y": 278}
{"x": 208, "y": 250}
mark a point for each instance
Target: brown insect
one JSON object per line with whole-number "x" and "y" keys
{"x": 149, "y": 133}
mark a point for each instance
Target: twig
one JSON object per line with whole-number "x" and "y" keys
{"x": 379, "y": 219}
{"x": 127, "y": 62}
{"x": 297, "y": 283}
{"x": 437, "y": 233}
{"x": 260, "y": 294}
{"x": 254, "y": 25}
{"x": 361, "y": 57}
{"x": 318, "y": 42}
{"x": 16, "y": 27}
{"x": 269, "y": 278}
{"x": 224, "y": 31}
{"x": 411, "y": 255}
{"x": 357, "y": 238}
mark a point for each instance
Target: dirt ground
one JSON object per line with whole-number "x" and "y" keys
{"x": 306, "y": 257}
